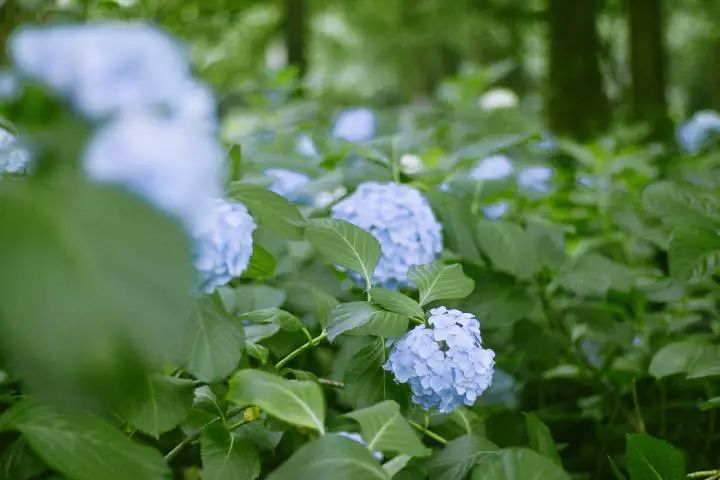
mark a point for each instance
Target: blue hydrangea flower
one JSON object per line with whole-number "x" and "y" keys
{"x": 356, "y": 437}
{"x": 444, "y": 363}
{"x": 171, "y": 163}
{"x": 399, "y": 217}
{"x": 305, "y": 146}
{"x": 536, "y": 179}
{"x": 14, "y": 157}
{"x": 105, "y": 68}
{"x": 495, "y": 210}
{"x": 287, "y": 183}
{"x": 494, "y": 167}
{"x": 355, "y": 125}
{"x": 696, "y": 133}
{"x": 223, "y": 244}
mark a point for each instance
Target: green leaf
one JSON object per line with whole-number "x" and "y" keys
{"x": 225, "y": 457}
{"x": 161, "y": 404}
{"x": 269, "y": 209}
{"x": 297, "y": 402}
{"x": 540, "y": 437}
{"x": 392, "y": 467}
{"x": 694, "y": 253}
{"x": 517, "y": 464}
{"x": 249, "y": 298}
{"x": 707, "y": 364}
{"x": 366, "y": 382}
{"x": 458, "y": 225}
{"x": 217, "y": 342}
{"x": 385, "y": 429}
{"x": 19, "y": 462}
{"x": 436, "y": 281}
{"x": 674, "y": 358}
{"x": 330, "y": 456}
{"x": 457, "y": 458}
{"x": 508, "y": 246}
{"x": 82, "y": 446}
{"x": 649, "y": 458}
{"x": 393, "y": 301}
{"x": 275, "y": 316}
{"x": 345, "y": 245}
{"x": 364, "y": 318}
{"x": 469, "y": 154}
{"x": 323, "y": 305}
{"x": 593, "y": 275}
{"x": 261, "y": 264}
{"x": 501, "y": 301}
{"x": 680, "y": 205}
{"x": 109, "y": 288}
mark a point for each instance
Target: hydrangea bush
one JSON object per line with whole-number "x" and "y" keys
{"x": 173, "y": 306}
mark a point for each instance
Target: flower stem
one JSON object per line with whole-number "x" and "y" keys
{"x": 704, "y": 474}
{"x": 427, "y": 432}
{"x": 307, "y": 345}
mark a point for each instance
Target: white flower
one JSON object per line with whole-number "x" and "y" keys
{"x": 171, "y": 163}
{"x": 223, "y": 244}
{"x": 411, "y": 164}
{"x": 355, "y": 125}
{"x": 399, "y": 217}
{"x": 498, "y": 98}
{"x": 14, "y": 157}
{"x": 494, "y": 167}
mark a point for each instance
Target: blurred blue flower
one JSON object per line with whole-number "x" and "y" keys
{"x": 399, "y": 217}
{"x": 697, "y": 132}
{"x": 536, "y": 179}
{"x": 495, "y": 210}
{"x": 356, "y": 437}
{"x": 305, "y": 146}
{"x": 170, "y": 163}
{"x": 355, "y": 125}
{"x": 106, "y": 68}
{"x": 9, "y": 85}
{"x": 14, "y": 157}
{"x": 223, "y": 244}
{"x": 444, "y": 364}
{"x": 494, "y": 167}
{"x": 287, "y": 183}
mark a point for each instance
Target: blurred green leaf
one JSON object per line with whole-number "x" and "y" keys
{"x": 648, "y": 458}
{"x": 674, "y": 358}
{"x": 436, "y": 281}
{"x": 679, "y": 205}
{"x": 297, "y": 402}
{"x": 508, "y": 246}
{"x": 540, "y": 437}
{"x": 517, "y": 464}
{"x": 694, "y": 253}
{"x": 226, "y": 458}
{"x": 269, "y": 209}
{"x": 457, "y": 458}
{"x": 261, "y": 264}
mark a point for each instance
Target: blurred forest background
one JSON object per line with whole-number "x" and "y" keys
{"x": 580, "y": 67}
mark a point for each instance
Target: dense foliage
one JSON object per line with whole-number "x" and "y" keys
{"x": 435, "y": 290}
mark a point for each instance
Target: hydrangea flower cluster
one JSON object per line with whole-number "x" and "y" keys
{"x": 535, "y": 178}
{"x": 356, "y": 437}
{"x": 444, "y": 364}
{"x": 494, "y": 167}
{"x": 694, "y": 134}
{"x": 400, "y": 218}
{"x": 223, "y": 244}
{"x": 287, "y": 183}
{"x": 355, "y": 125}
{"x": 14, "y": 158}
{"x": 157, "y": 134}
{"x": 495, "y": 210}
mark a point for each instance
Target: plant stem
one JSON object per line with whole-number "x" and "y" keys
{"x": 307, "y": 345}
{"x": 704, "y": 474}
{"x": 638, "y": 414}
{"x": 331, "y": 383}
{"x": 427, "y": 432}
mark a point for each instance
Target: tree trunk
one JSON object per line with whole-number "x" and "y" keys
{"x": 576, "y": 103}
{"x": 295, "y": 28}
{"x": 647, "y": 57}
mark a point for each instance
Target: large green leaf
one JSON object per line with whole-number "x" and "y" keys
{"x": 458, "y": 225}
{"x": 261, "y": 264}
{"x": 396, "y": 302}
{"x": 274, "y": 316}
{"x": 160, "y": 405}
{"x": 508, "y": 246}
{"x": 681, "y": 205}
{"x": 82, "y": 446}
{"x": 517, "y": 464}
{"x": 331, "y": 456}
{"x": 674, "y": 358}
{"x": 436, "y": 281}
{"x": 384, "y": 428}
{"x": 94, "y": 283}
{"x": 540, "y": 437}
{"x": 457, "y": 458}
{"x": 269, "y": 209}
{"x": 648, "y": 458}
{"x": 216, "y": 344}
{"x": 694, "y": 253}
{"x": 225, "y": 457}
{"x": 249, "y": 298}
{"x": 345, "y": 245}
{"x": 366, "y": 382}
{"x": 364, "y": 318}
{"x": 323, "y": 305}
{"x": 19, "y": 462}
{"x": 593, "y": 274}
{"x": 297, "y": 402}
